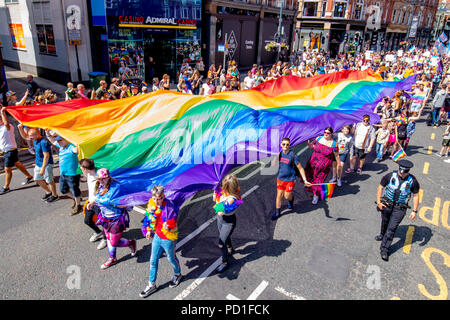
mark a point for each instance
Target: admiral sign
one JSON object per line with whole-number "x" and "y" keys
{"x": 156, "y": 20}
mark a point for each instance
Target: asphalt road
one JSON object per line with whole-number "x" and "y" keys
{"x": 315, "y": 252}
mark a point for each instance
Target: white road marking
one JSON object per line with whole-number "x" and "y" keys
{"x": 231, "y": 297}
{"x": 199, "y": 280}
{"x": 289, "y": 294}
{"x": 207, "y": 223}
{"x": 257, "y": 292}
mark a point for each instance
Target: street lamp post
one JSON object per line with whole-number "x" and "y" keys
{"x": 278, "y": 35}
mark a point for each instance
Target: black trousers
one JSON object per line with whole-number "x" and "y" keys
{"x": 88, "y": 218}
{"x": 391, "y": 217}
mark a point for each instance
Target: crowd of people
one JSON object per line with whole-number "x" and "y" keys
{"x": 330, "y": 150}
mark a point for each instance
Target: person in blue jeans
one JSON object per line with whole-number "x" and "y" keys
{"x": 160, "y": 222}
{"x": 437, "y": 104}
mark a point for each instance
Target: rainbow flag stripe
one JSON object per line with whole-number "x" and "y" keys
{"x": 399, "y": 154}
{"x": 326, "y": 190}
{"x": 189, "y": 143}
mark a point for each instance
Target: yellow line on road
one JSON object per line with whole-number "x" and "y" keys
{"x": 430, "y": 149}
{"x": 433, "y": 135}
{"x": 395, "y": 298}
{"x": 408, "y": 240}
{"x": 420, "y": 195}
{"x": 426, "y": 166}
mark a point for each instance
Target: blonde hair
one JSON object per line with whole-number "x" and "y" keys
{"x": 231, "y": 186}
{"x": 105, "y": 190}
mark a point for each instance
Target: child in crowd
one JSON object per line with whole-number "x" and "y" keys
{"x": 228, "y": 199}
{"x": 410, "y": 129}
{"x": 382, "y": 139}
{"x": 70, "y": 92}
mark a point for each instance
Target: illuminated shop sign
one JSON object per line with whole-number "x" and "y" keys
{"x": 156, "y": 20}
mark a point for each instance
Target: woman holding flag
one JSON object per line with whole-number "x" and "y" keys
{"x": 325, "y": 151}
{"x": 401, "y": 130}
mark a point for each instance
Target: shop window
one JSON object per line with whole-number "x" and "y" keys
{"x": 339, "y": 9}
{"x": 310, "y": 8}
{"x": 46, "y": 39}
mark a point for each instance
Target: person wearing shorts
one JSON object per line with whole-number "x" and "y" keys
{"x": 445, "y": 142}
{"x": 43, "y": 164}
{"x": 364, "y": 139}
{"x": 8, "y": 146}
{"x": 286, "y": 176}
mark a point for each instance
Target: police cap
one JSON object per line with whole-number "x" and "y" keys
{"x": 405, "y": 165}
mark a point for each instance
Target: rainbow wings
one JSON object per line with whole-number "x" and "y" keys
{"x": 189, "y": 143}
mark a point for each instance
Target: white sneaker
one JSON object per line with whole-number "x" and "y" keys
{"x": 332, "y": 180}
{"x": 448, "y": 160}
{"x": 315, "y": 199}
{"x": 101, "y": 245}
{"x": 339, "y": 182}
{"x": 96, "y": 236}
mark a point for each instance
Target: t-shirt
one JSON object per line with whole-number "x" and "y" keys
{"x": 91, "y": 181}
{"x": 68, "y": 160}
{"x": 382, "y": 135}
{"x": 40, "y": 146}
{"x": 414, "y": 187}
{"x": 344, "y": 143}
{"x": 249, "y": 82}
{"x": 32, "y": 88}
{"x": 7, "y": 138}
{"x": 360, "y": 134}
{"x": 286, "y": 171}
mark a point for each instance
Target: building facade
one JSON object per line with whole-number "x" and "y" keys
{"x": 354, "y": 25}
{"x": 242, "y": 30}
{"x": 35, "y": 36}
{"x": 142, "y": 38}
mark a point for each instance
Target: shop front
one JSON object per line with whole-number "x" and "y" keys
{"x": 147, "y": 39}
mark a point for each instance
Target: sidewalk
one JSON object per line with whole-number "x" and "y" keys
{"x": 17, "y": 81}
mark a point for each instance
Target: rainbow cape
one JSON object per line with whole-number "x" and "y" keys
{"x": 326, "y": 190}
{"x": 188, "y": 143}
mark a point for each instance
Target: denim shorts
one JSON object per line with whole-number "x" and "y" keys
{"x": 415, "y": 106}
{"x": 71, "y": 183}
{"x": 11, "y": 157}
{"x": 343, "y": 157}
{"x": 48, "y": 173}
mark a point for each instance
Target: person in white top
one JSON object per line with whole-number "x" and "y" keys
{"x": 88, "y": 168}
{"x": 249, "y": 81}
{"x": 8, "y": 146}
{"x": 364, "y": 139}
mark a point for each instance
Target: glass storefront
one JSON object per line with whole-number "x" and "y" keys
{"x": 148, "y": 38}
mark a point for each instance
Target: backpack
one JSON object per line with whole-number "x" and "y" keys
{"x": 401, "y": 130}
{"x": 297, "y": 172}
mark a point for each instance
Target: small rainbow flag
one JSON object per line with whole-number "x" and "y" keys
{"x": 326, "y": 190}
{"x": 144, "y": 84}
{"x": 399, "y": 154}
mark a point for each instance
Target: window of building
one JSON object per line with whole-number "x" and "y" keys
{"x": 394, "y": 15}
{"x": 358, "y": 11}
{"x": 339, "y": 9}
{"x": 400, "y": 16}
{"x": 11, "y": 1}
{"x": 310, "y": 8}
{"x": 44, "y": 27}
{"x": 46, "y": 39}
{"x": 324, "y": 7}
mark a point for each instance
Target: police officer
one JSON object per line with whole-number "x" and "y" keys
{"x": 393, "y": 194}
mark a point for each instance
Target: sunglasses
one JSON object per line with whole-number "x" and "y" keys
{"x": 327, "y": 132}
{"x": 158, "y": 199}
{"x": 285, "y": 144}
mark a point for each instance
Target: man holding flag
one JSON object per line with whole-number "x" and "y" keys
{"x": 393, "y": 194}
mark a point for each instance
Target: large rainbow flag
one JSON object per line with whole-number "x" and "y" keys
{"x": 189, "y": 143}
